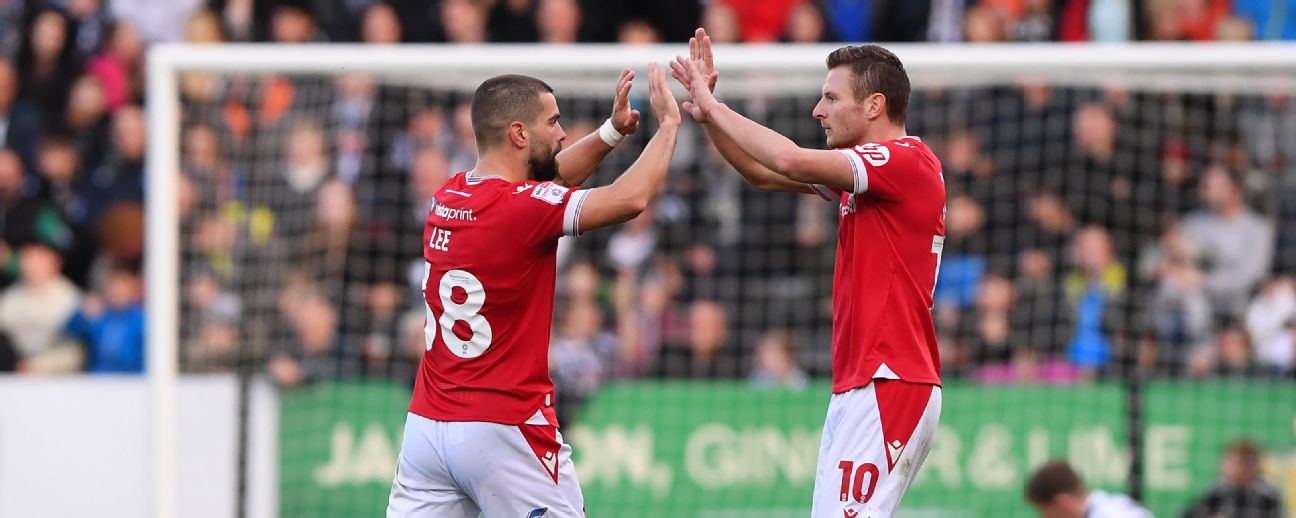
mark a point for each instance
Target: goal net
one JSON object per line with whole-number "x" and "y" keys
{"x": 1114, "y": 289}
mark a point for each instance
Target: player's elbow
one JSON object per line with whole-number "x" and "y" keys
{"x": 635, "y": 206}
{"x": 792, "y": 166}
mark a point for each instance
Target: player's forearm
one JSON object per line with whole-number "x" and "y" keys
{"x": 644, "y": 179}
{"x": 578, "y": 161}
{"x": 757, "y": 175}
{"x": 766, "y": 146}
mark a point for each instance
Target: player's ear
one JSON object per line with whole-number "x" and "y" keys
{"x": 875, "y": 106}
{"x": 517, "y": 135}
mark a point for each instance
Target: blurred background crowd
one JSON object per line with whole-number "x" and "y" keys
{"x": 1092, "y": 232}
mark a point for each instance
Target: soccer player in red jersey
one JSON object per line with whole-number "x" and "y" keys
{"x": 886, "y": 368}
{"x": 481, "y": 435}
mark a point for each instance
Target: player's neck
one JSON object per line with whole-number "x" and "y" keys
{"x": 498, "y": 164}
{"x": 883, "y": 133}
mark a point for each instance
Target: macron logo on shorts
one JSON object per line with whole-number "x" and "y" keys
{"x": 894, "y": 449}
{"x": 538, "y": 512}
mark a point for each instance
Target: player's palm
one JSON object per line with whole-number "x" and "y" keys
{"x": 663, "y": 101}
{"x": 624, "y": 119}
{"x": 687, "y": 72}
{"x": 700, "y": 53}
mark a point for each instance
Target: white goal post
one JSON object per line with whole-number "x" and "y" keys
{"x": 764, "y": 68}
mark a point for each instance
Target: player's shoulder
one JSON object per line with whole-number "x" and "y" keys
{"x": 531, "y": 192}
{"x": 908, "y": 151}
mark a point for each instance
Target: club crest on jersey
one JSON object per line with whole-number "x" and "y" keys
{"x": 549, "y": 192}
{"x": 875, "y": 154}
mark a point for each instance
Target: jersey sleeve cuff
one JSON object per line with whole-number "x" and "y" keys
{"x": 822, "y": 191}
{"x": 857, "y": 165}
{"x": 571, "y": 215}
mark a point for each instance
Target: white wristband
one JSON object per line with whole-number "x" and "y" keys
{"x": 609, "y": 133}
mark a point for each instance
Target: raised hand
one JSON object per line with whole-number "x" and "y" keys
{"x": 624, "y": 119}
{"x": 663, "y": 101}
{"x": 687, "y": 72}
{"x": 700, "y": 53}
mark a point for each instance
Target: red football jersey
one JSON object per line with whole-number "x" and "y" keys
{"x": 490, "y": 249}
{"x": 888, "y": 252}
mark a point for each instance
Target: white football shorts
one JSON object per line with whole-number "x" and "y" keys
{"x": 875, "y": 439}
{"x": 460, "y": 469}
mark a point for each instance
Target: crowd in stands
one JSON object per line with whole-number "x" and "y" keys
{"x": 1091, "y": 232}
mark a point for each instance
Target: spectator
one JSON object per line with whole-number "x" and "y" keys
{"x": 1198, "y": 19}
{"x": 1036, "y": 24}
{"x": 20, "y": 121}
{"x": 87, "y": 121}
{"x": 33, "y": 311}
{"x": 983, "y": 25}
{"x": 986, "y": 328}
{"x": 91, "y": 21}
{"x": 761, "y": 21}
{"x": 427, "y": 128}
{"x": 1039, "y": 307}
{"x": 311, "y": 351}
{"x": 62, "y": 184}
{"x": 292, "y": 195}
{"x": 963, "y": 262}
{"x": 11, "y": 26}
{"x": 48, "y": 64}
{"x": 638, "y": 32}
{"x": 26, "y": 219}
{"x": 1179, "y": 311}
{"x": 377, "y": 337}
{"x": 513, "y": 21}
{"x": 293, "y": 23}
{"x": 205, "y": 163}
{"x": 238, "y": 20}
{"x": 1109, "y": 21}
{"x": 119, "y": 67}
{"x": 1056, "y": 491}
{"x": 1270, "y": 321}
{"x": 805, "y": 24}
{"x": 464, "y": 21}
{"x": 578, "y": 356}
{"x": 380, "y": 24}
{"x": 632, "y": 245}
{"x": 702, "y": 353}
{"x": 1241, "y": 491}
{"x": 205, "y": 27}
{"x": 558, "y": 21}
{"x": 156, "y": 21}
{"x": 113, "y": 329}
{"x": 1230, "y": 355}
{"x": 776, "y": 362}
{"x": 1095, "y": 291}
{"x": 721, "y": 22}
{"x": 1273, "y": 20}
{"x": 1234, "y": 28}
{"x": 852, "y": 20}
{"x": 210, "y": 333}
{"x": 354, "y": 110}
{"x": 1235, "y": 245}
{"x": 121, "y": 177}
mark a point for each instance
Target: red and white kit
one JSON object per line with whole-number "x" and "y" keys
{"x": 886, "y": 365}
{"x": 482, "y": 435}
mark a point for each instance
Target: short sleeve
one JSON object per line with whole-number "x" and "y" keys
{"x": 547, "y": 211}
{"x": 826, "y": 192}
{"x": 887, "y": 170}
